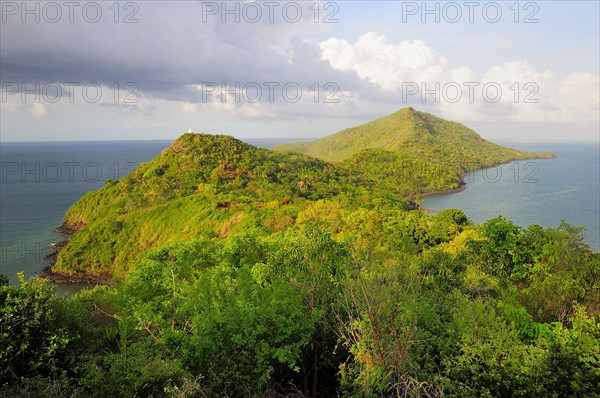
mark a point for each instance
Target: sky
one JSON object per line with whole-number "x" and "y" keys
{"x": 513, "y": 71}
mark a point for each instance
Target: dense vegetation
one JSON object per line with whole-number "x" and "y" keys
{"x": 208, "y": 186}
{"x": 411, "y": 151}
{"x": 356, "y": 303}
{"x": 204, "y": 186}
{"x": 241, "y": 272}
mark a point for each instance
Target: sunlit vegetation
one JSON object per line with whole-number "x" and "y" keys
{"x": 243, "y": 272}
{"x": 363, "y": 303}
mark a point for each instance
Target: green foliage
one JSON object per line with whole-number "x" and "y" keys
{"x": 245, "y": 272}
{"x": 402, "y": 170}
{"x": 552, "y": 269}
{"x": 416, "y": 135}
{"x": 334, "y": 306}
{"x": 139, "y": 370}
{"x": 573, "y": 357}
{"x": 209, "y": 185}
{"x": 226, "y": 322}
{"x": 410, "y": 152}
{"x": 243, "y": 330}
{"x": 453, "y": 216}
{"x": 378, "y": 325}
{"x": 491, "y": 360}
{"x": 500, "y": 249}
{"x": 36, "y": 331}
{"x": 204, "y": 186}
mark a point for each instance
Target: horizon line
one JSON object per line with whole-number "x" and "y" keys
{"x": 297, "y": 139}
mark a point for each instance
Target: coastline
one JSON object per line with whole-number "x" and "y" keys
{"x": 61, "y": 278}
{"x": 88, "y": 278}
{"x": 462, "y": 185}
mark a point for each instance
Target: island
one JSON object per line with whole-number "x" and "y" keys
{"x": 304, "y": 271}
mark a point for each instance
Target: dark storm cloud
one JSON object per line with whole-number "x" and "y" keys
{"x": 168, "y": 51}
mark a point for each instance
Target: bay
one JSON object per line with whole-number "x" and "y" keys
{"x": 541, "y": 191}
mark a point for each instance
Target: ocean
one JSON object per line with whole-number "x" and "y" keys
{"x": 40, "y": 181}
{"x": 541, "y": 191}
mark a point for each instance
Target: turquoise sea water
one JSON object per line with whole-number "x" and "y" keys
{"x": 542, "y": 192}
{"x": 40, "y": 181}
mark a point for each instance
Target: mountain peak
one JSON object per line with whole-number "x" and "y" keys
{"x": 408, "y": 109}
{"x": 391, "y": 132}
{"x": 414, "y": 134}
{"x": 190, "y": 143}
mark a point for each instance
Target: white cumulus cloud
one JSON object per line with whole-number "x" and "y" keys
{"x": 387, "y": 65}
{"x": 511, "y": 91}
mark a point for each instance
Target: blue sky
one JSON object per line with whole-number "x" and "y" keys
{"x": 162, "y": 73}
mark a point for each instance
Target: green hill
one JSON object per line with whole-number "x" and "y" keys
{"x": 410, "y": 151}
{"x": 203, "y": 186}
{"x": 211, "y": 186}
{"x": 415, "y": 134}
{"x": 244, "y": 272}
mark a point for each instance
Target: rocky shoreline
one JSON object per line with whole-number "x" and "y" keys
{"x": 65, "y": 278}
{"x": 461, "y": 187}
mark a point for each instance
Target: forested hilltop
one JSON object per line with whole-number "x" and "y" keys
{"x": 216, "y": 186}
{"x": 410, "y": 151}
{"x": 245, "y": 272}
{"x": 207, "y": 186}
{"x": 415, "y": 135}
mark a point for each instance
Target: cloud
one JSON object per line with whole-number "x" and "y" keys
{"x": 532, "y": 96}
{"x": 167, "y": 49}
{"x": 580, "y": 94}
{"x": 172, "y": 51}
{"x": 189, "y": 108}
{"x": 419, "y": 75}
{"x": 386, "y": 65}
{"x": 38, "y": 110}
{"x": 8, "y": 107}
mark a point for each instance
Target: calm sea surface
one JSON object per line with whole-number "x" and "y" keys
{"x": 40, "y": 181}
{"x": 542, "y": 192}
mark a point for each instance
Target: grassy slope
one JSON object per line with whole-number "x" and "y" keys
{"x": 415, "y": 134}
{"x": 410, "y": 151}
{"x": 203, "y": 185}
{"x": 207, "y": 185}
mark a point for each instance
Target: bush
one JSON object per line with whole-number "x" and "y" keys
{"x": 36, "y": 331}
